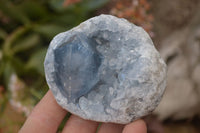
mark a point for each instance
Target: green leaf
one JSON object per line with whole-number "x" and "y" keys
{"x": 17, "y": 64}
{"x": 90, "y": 5}
{"x": 8, "y": 70}
{"x": 17, "y": 33}
{"x": 63, "y": 123}
{"x": 34, "y": 10}
{"x": 49, "y": 30}
{"x": 36, "y": 61}
{"x": 26, "y": 43}
{"x": 3, "y": 103}
{"x": 67, "y": 20}
{"x": 57, "y": 5}
{"x": 2, "y": 64}
{"x": 3, "y": 34}
{"x": 36, "y": 94}
{"x": 13, "y": 12}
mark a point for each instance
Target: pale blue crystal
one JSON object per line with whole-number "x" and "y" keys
{"x": 76, "y": 63}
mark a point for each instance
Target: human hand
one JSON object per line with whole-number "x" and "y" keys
{"x": 47, "y": 115}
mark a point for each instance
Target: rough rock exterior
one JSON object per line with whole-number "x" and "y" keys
{"x": 106, "y": 69}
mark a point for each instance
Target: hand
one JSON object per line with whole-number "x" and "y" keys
{"x": 47, "y": 115}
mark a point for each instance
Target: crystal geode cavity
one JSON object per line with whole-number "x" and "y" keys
{"x": 106, "y": 69}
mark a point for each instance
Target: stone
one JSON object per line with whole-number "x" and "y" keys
{"x": 106, "y": 69}
{"x": 181, "y": 51}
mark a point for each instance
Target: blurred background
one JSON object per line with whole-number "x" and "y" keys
{"x": 27, "y": 27}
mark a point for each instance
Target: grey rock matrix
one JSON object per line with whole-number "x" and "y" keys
{"x": 106, "y": 69}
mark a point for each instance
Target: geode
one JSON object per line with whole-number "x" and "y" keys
{"x": 106, "y": 69}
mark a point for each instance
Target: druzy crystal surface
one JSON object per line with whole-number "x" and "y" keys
{"x": 106, "y": 69}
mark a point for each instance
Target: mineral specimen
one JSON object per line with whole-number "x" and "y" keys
{"x": 106, "y": 69}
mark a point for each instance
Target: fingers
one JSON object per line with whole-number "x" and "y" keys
{"x": 76, "y": 124}
{"x": 111, "y": 128}
{"x": 45, "y": 117}
{"x": 138, "y": 126}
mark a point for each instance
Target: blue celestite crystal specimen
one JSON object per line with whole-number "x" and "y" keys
{"x": 106, "y": 69}
{"x": 77, "y": 63}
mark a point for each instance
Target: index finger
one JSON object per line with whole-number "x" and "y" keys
{"x": 45, "y": 117}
